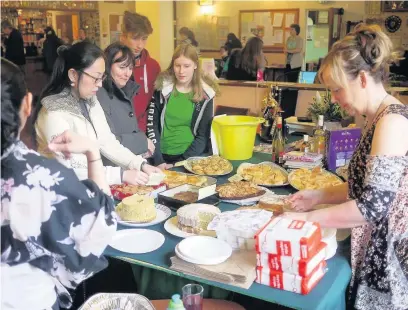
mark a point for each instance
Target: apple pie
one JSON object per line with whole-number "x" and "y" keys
{"x": 174, "y": 179}
{"x": 213, "y": 165}
{"x": 316, "y": 178}
{"x": 264, "y": 175}
{"x": 239, "y": 190}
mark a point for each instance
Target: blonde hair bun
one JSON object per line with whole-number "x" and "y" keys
{"x": 367, "y": 48}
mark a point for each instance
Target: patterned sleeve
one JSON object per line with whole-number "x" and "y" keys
{"x": 382, "y": 180}
{"x": 56, "y": 222}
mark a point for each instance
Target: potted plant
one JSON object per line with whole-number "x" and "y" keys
{"x": 334, "y": 116}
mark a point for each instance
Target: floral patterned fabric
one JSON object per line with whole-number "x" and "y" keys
{"x": 379, "y": 257}
{"x": 52, "y": 221}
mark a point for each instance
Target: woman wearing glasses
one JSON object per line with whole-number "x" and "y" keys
{"x": 69, "y": 102}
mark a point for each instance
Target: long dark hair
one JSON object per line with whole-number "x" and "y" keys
{"x": 110, "y": 53}
{"x": 232, "y": 43}
{"x": 78, "y": 57}
{"x": 13, "y": 91}
{"x": 189, "y": 34}
{"x": 250, "y": 58}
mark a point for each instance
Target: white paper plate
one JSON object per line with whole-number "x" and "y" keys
{"x": 137, "y": 241}
{"x": 163, "y": 213}
{"x": 188, "y": 162}
{"x": 204, "y": 250}
{"x": 190, "y": 260}
{"x": 245, "y": 165}
{"x": 329, "y": 237}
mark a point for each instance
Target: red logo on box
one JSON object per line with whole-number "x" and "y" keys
{"x": 276, "y": 281}
{"x": 296, "y": 224}
{"x": 283, "y": 248}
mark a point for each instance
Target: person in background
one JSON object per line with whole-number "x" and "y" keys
{"x": 66, "y": 40}
{"x": 182, "y": 109}
{"x": 54, "y": 228}
{"x": 294, "y": 54}
{"x": 69, "y": 102}
{"x": 374, "y": 201}
{"x": 232, "y": 43}
{"x": 187, "y": 36}
{"x": 136, "y": 31}
{"x": 223, "y": 64}
{"x": 244, "y": 64}
{"x": 81, "y": 36}
{"x": 13, "y": 44}
{"x": 50, "y": 46}
{"x": 116, "y": 98}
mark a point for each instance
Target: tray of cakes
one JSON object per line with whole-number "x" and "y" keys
{"x": 141, "y": 211}
{"x": 315, "y": 178}
{"x": 265, "y": 174}
{"x": 212, "y": 165}
{"x": 174, "y": 179}
{"x": 191, "y": 220}
{"x": 179, "y": 196}
{"x": 121, "y": 191}
{"x": 241, "y": 192}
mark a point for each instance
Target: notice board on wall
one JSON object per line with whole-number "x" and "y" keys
{"x": 272, "y": 26}
{"x": 210, "y": 31}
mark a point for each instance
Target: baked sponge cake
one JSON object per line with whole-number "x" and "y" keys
{"x": 137, "y": 208}
{"x": 194, "y": 218}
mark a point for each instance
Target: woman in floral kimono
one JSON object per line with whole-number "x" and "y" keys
{"x": 374, "y": 202}
{"x": 54, "y": 228}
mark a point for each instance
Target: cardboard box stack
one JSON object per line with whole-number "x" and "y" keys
{"x": 290, "y": 255}
{"x": 239, "y": 227}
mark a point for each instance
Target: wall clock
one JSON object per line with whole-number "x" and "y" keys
{"x": 393, "y": 23}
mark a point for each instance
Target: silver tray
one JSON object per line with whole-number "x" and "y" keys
{"x": 324, "y": 171}
{"x": 210, "y": 180}
{"x": 188, "y": 166}
{"x": 116, "y": 301}
{"x": 242, "y": 166}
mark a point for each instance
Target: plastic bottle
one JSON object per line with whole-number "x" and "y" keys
{"x": 175, "y": 303}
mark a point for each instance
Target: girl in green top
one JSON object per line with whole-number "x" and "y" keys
{"x": 181, "y": 110}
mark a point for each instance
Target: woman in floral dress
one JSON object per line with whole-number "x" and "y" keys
{"x": 54, "y": 228}
{"x": 374, "y": 202}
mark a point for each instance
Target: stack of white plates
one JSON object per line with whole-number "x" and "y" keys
{"x": 329, "y": 237}
{"x": 203, "y": 250}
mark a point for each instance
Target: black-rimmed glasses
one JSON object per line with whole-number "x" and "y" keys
{"x": 96, "y": 79}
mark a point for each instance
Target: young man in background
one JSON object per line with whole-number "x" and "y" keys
{"x": 136, "y": 30}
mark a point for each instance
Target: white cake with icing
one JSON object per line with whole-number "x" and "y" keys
{"x": 137, "y": 208}
{"x": 194, "y": 218}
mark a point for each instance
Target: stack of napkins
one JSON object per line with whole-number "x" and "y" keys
{"x": 296, "y": 160}
{"x": 290, "y": 255}
{"x": 238, "y": 228}
{"x": 238, "y": 270}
